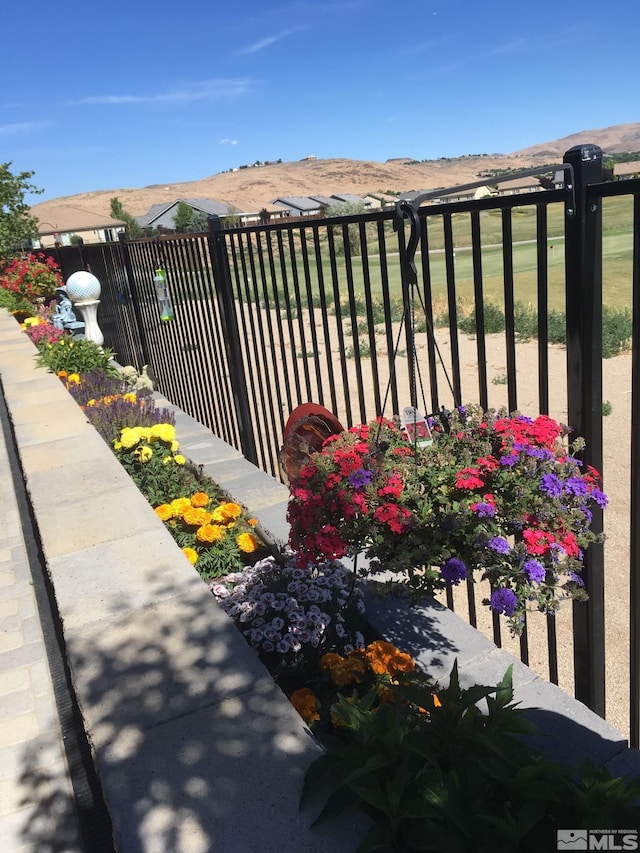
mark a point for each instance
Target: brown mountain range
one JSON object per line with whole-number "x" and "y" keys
{"x": 252, "y": 188}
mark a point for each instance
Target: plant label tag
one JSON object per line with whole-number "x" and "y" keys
{"x": 415, "y": 427}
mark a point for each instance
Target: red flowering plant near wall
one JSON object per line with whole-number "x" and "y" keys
{"x": 32, "y": 277}
{"x": 497, "y": 495}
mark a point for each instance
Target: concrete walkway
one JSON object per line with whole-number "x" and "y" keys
{"x": 36, "y": 797}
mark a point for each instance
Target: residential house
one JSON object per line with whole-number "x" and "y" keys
{"x": 163, "y": 215}
{"x": 299, "y": 205}
{"x": 379, "y": 200}
{"x": 350, "y": 198}
{"x": 519, "y": 185}
{"x": 624, "y": 171}
{"x": 67, "y": 222}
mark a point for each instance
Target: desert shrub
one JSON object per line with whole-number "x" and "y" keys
{"x": 617, "y": 326}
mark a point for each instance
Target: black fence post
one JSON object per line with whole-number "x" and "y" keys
{"x": 146, "y": 359}
{"x": 224, "y": 293}
{"x": 583, "y": 265}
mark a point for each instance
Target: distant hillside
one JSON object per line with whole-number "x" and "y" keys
{"x": 252, "y": 188}
{"x": 613, "y": 140}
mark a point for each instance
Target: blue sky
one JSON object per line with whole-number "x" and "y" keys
{"x": 125, "y": 94}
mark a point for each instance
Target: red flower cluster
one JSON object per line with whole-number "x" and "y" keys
{"x": 33, "y": 277}
{"x": 341, "y": 498}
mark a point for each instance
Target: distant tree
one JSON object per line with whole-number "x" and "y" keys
{"x": 183, "y": 217}
{"x": 17, "y": 225}
{"x": 232, "y": 219}
{"x": 200, "y": 221}
{"x": 132, "y": 229}
{"x": 347, "y": 208}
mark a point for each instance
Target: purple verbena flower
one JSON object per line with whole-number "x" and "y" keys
{"x": 361, "y": 477}
{"x": 576, "y": 579}
{"x": 599, "y": 497}
{"x": 552, "y": 485}
{"x": 499, "y": 544}
{"x": 508, "y": 461}
{"x": 539, "y": 453}
{"x": 534, "y": 571}
{"x": 483, "y": 509}
{"x": 575, "y": 486}
{"x": 454, "y": 570}
{"x": 504, "y": 601}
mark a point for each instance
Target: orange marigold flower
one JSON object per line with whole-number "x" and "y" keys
{"x": 252, "y": 522}
{"x": 226, "y": 512}
{"x": 247, "y": 543}
{"x": 436, "y": 702}
{"x": 196, "y": 516}
{"x": 306, "y": 704}
{"x": 200, "y": 499}
{"x": 191, "y": 555}
{"x": 343, "y": 671}
{"x": 62, "y": 374}
{"x": 209, "y": 533}
{"x": 164, "y": 512}
{"x": 385, "y": 659}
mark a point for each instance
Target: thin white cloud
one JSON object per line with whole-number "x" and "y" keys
{"x": 22, "y": 127}
{"x": 509, "y": 48}
{"x": 269, "y": 40}
{"x": 207, "y": 90}
{"x": 228, "y": 142}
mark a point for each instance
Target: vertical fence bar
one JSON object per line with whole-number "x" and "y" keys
{"x": 478, "y": 298}
{"x": 222, "y": 281}
{"x": 135, "y": 302}
{"x": 634, "y": 568}
{"x": 583, "y": 248}
{"x": 509, "y": 309}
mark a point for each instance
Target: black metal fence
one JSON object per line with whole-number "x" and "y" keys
{"x": 362, "y": 314}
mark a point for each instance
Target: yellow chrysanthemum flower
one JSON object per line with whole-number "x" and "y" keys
{"x": 130, "y": 397}
{"x": 174, "y": 446}
{"x": 227, "y": 512}
{"x": 209, "y": 533}
{"x": 247, "y": 543}
{"x": 73, "y": 379}
{"x": 179, "y": 505}
{"x": 200, "y": 499}
{"x": 179, "y": 459}
{"x": 91, "y": 403}
{"x": 164, "y": 512}
{"x": 191, "y": 555}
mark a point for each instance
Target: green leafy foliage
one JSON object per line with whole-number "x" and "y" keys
{"x": 76, "y": 356}
{"x": 17, "y": 225}
{"x": 457, "y": 779}
{"x": 132, "y": 228}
